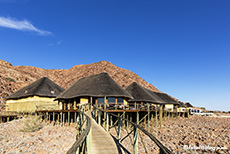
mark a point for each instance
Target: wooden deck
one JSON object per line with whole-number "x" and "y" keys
{"x": 102, "y": 142}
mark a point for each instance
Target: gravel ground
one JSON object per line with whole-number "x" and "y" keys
{"x": 178, "y": 134}
{"x": 48, "y": 140}
{"x": 182, "y": 134}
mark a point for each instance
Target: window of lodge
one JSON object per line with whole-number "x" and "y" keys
{"x": 111, "y": 100}
{"x": 119, "y": 100}
{"x": 100, "y": 100}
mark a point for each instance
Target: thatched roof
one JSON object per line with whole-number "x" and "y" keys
{"x": 188, "y": 104}
{"x": 140, "y": 94}
{"x": 99, "y": 85}
{"x": 166, "y": 98}
{"x": 181, "y": 104}
{"x": 163, "y": 97}
{"x": 43, "y": 87}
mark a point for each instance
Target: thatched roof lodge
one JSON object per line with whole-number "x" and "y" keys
{"x": 141, "y": 94}
{"x": 35, "y": 96}
{"x": 188, "y": 105}
{"x": 95, "y": 89}
{"x": 144, "y": 95}
{"x": 181, "y": 107}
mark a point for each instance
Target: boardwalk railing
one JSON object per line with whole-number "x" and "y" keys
{"x": 83, "y": 139}
{"x": 6, "y": 116}
{"x": 133, "y": 130}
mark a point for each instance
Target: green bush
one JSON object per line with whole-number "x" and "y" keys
{"x": 10, "y": 79}
{"x": 31, "y": 124}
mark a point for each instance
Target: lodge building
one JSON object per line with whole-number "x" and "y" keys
{"x": 95, "y": 89}
{"x": 44, "y": 94}
{"x": 38, "y": 95}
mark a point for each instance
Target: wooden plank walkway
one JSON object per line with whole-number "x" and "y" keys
{"x": 102, "y": 142}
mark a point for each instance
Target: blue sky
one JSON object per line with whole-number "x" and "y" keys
{"x": 182, "y": 47}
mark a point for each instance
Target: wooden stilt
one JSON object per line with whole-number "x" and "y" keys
{"x": 49, "y": 120}
{"x": 105, "y": 103}
{"x": 107, "y": 122}
{"x": 63, "y": 119}
{"x": 64, "y": 106}
{"x": 75, "y": 117}
{"x": 119, "y": 129}
{"x": 161, "y": 116}
{"x": 123, "y": 121}
{"x": 127, "y": 124}
{"x": 91, "y": 103}
{"x": 104, "y": 119}
{"x": 148, "y": 118}
{"x": 99, "y": 117}
{"x": 53, "y": 118}
{"x": 156, "y": 120}
{"x": 152, "y": 121}
{"x": 46, "y": 116}
{"x": 74, "y": 104}
{"x": 58, "y": 118}
{"x": 68, "y": 118}
{"x": 111, "y": 121}
{"x": 135, "y": 137}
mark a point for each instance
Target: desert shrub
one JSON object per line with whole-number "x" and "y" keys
{"x": 31, "y": 124}
{"x": 10, "y": 79}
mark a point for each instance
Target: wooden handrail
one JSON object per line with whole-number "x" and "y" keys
{"x": 136, "y": 127}
{"x": 82, "y": 144}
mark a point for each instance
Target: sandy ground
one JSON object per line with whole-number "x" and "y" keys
{"x": 183, "y": 135}
{"x": 48, "y": 140}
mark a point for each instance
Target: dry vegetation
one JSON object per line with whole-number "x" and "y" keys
{"x": 31, "y": 124}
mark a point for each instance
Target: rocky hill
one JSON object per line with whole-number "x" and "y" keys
{"x": 13, "y": 78}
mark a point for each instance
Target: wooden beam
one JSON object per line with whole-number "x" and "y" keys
{"x": 99, "y": 117}
{"x": 135, "y": 137}
{"x": 91, "y": 103}
{"x": 68, "y": 118}
{"x": 53, "y": 118}
{"x": 148, "y": 117}
{"x": 75, "y": 104}
{"x": 119, "y": 129}
{"x": 156, "y": 117}
{"x": 64, "y": 106}
{"x": 107, "y": 122}
{"x": 161, "y": 115}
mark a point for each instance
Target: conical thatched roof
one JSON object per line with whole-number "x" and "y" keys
{"x": 181, "y": 104}
{"x": 166, "y": 98}
{"x": 163, "y": 97}
{"x": 140, "y": 94}
{"x": 188, "y": 104}
{"x": 99, "y": 85}
{"x": 42, "y": 87}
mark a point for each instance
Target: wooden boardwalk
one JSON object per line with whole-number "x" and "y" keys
{"x": 102, "y": 142}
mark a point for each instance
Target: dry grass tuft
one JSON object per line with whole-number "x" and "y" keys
{"x": 31, "y": 124}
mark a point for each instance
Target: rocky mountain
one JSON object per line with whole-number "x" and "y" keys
{"x": 13, "y": 78}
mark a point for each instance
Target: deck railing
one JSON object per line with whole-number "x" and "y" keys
{"x": 134, "y": 106}
{"x": 83, "y": 139}
{"x": 132, "y": 129}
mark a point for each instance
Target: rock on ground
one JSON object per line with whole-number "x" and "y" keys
{"x": 48, "y": 140}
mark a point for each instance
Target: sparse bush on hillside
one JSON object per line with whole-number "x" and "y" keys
{"x": 10, "y": 79}
{"x": 31, "y": 124}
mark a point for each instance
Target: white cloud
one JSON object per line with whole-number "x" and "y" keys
{"x": 23, "y": 25}
{"x": 57, "y": 43}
